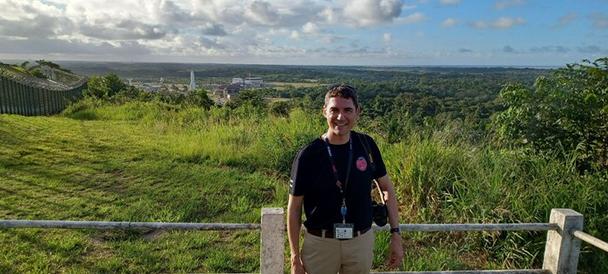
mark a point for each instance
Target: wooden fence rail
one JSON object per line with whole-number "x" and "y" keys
{"x": 591, "y": 240}
{"x": 124, "y": 225}
{"x": 474, "y": 227}
{"x": 564, "y": 235}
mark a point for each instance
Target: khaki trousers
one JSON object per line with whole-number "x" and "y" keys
{"x": 330, "y": 256}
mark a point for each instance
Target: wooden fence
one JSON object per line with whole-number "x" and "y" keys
{"x": 564, "y": 235}
{"x": 17, "y": 97}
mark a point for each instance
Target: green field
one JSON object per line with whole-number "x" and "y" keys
{"x": 148, "y": 161}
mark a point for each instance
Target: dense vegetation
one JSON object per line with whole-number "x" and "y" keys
{"x": 121, "y": 154}
{"x": 567, "y": 112}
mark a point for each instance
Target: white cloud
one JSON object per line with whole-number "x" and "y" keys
{"x": 32, "y": 19}
{"x": 262, "y": 13}
{"x": 500, "y": 23}
{"x": 449, "y": 2}
{"x": 503, "y": 4}
{"x": 123, "y": 30}
{"x": 294, "y": 35}
{"x": 310, "y": 28}
{"x": 567, "y": 19}
{"x": 387, "y": 37}
{"x": 160, "y": 29}
{"x": 507, "y": 22}
{"x": 449, "y": 22}
{"x": 329, "y": 15}
{"x": 412, "y": 18}
{"x": 213, "y": 29}
{"x": 371, "y": 12}
{"x": 599, "y": 20}
{"x": 549, "y": 49}
{"x": 480, "y": 24}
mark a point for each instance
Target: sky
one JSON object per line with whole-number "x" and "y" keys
{"x": 307, "y": 32}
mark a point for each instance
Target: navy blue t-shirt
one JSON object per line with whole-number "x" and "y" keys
{"x": 312, "y": 177}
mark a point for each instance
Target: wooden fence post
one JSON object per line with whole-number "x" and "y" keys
{"x": 562, "y": 248}
{"x": 272, "y": 241}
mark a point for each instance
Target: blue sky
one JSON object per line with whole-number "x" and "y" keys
{"x": 307, "y": 32}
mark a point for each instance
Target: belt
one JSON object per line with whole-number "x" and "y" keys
{"x": 329, "y": 233}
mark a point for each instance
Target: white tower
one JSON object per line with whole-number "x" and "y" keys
{"x": 192, "y": 81}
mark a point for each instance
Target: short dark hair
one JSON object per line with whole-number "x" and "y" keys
{"x": 342, "y": 90}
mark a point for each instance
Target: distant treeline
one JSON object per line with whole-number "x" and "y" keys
{"x": 283, "y": 73}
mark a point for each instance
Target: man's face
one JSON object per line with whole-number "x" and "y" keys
{"x": 341, "y": 115}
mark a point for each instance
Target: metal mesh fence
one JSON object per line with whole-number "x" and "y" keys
{"x": 19, "y": 95}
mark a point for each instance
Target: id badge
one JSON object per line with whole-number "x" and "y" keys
{"x": 343, "y": 231}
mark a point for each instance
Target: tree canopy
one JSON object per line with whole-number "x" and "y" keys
{"x": 566, "y": 111}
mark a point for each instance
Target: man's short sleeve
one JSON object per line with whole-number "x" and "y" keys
{"x": 380, "y": 167}
{"x": 299, "y": 174}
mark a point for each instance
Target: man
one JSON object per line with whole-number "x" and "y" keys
{"x": 332, "y": 179}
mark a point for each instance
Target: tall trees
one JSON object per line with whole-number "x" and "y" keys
{"x": 567, "y": 110}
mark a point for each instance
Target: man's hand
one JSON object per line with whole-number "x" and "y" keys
{"x": 294, "y": 222}
{"x": 396, "y": 256}
{"x": 296, "y": 265}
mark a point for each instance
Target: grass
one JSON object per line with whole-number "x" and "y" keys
{"x": 58, "y": 168}
{"x": 153, "y": 162}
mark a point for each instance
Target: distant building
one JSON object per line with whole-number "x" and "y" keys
{"x": 192, "y": 81}
{"x": 219, "y": 90}
{"x": 148, "y": 87}
{"x": 249, "y": 82}
{"x": 253, "y": 82}
{"x": 232, "y": 89}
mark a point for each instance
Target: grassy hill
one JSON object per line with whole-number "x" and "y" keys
{"x": 62, "y": 168}
{"x": 148, "y": 161}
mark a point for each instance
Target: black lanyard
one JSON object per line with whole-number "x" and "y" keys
{"x": 334, "y": 169}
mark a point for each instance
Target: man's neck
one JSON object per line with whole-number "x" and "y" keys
{"x": 335, "y": 139}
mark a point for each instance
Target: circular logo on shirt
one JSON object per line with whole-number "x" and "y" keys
{"x": 361, "y": 163}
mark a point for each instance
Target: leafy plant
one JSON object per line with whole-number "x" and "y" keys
{"x": 566, "y": 111}
{"x": 104, "y": 86}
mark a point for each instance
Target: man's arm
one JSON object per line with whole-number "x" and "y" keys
{"x": 396, "y": 256}
{"x": 294, "y": 223}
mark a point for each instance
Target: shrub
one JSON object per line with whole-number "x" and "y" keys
{"x": 104, "y": 86}
{"x": 567, "y": 111}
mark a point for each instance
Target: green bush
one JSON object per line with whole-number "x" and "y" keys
{"x": 567, "y": 111}
{"x": 104, "y": 86}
